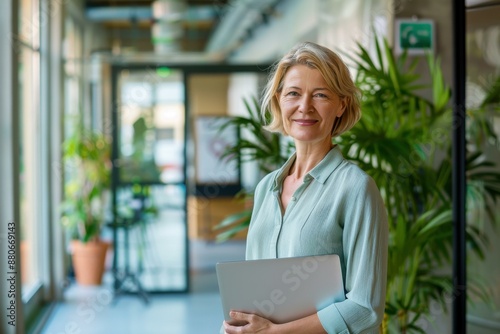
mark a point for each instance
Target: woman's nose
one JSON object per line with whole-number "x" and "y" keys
{"x": 305, "y": 105}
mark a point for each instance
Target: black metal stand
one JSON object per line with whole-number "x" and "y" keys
{"x": 123, "y": 278}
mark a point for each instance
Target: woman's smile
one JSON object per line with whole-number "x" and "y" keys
{"x": 305, "y": 122}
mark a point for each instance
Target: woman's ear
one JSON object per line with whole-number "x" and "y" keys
{"x": 342, "y": 106}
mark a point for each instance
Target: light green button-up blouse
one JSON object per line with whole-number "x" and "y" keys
{"x": 337, "y": 210}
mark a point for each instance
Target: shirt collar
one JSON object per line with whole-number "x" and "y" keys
{"x": 320, "y": 172}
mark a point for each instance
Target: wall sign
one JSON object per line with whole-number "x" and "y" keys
{"x": 416, "y": 36}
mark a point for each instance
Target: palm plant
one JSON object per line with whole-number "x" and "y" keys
{"x": 254, "y": 144}
{"x": 403, "y": 142}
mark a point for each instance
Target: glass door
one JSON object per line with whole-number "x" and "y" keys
{"x": 150, "y": 181}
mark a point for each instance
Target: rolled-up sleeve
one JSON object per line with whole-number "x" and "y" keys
{"x": 365, "y": 244}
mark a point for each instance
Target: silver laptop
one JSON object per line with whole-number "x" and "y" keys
{"x": 280, "y": 290}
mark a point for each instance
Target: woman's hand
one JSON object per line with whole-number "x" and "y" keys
{"x": 247, "y": 323}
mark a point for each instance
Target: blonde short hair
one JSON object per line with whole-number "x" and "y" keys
{"x": 333, "y": 70}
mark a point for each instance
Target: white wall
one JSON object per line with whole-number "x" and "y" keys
{"x": 293, "y": 20}
{"x": 441, "y": 13}
{"x": 334, "y": 24}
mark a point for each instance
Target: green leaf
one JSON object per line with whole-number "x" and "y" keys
{"x": 240, "y": 217}
{"x": 226, "y": 235}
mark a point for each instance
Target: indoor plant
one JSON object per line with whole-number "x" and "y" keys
{"x": 254, "y": 144}
{"x": 86, "y": 156}
{"x": 403, "y": 141}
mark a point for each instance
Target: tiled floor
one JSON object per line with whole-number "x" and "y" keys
{"x": 93, "y": 310}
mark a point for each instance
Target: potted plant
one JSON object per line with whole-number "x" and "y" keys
{"x": 86, "y": 156}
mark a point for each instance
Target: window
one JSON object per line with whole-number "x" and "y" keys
{"x": 29, "y": 141}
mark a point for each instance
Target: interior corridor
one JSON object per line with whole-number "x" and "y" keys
{"x": 94, "y": 310}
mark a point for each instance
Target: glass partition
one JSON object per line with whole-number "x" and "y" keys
{"x": 160, "y": 176}
{"x": 483, "y": 185}
{"x": 151, "y": 242}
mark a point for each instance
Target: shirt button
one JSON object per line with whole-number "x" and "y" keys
{"x": 293, "y": 198}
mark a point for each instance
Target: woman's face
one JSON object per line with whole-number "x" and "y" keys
{"x": 308, "y": 107}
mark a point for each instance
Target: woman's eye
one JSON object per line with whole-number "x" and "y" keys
{"x": 292, "y": 93}
{"x": 321, "y": 95}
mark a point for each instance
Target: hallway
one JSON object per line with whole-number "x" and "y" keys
{"x": 92, "y": 310}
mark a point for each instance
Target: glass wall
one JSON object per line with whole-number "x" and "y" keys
{"x": 483, "y": 132}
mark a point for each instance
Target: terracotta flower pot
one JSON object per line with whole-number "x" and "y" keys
{"x": 88, "y": 261}
{"x": 25, "y": 261}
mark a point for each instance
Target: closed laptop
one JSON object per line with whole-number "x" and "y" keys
{"x": 282, "y": 289}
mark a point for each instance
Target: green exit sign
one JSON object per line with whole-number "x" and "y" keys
{"x": 416, "y": 36}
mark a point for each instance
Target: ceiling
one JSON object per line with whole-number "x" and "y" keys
{"x": 129, "y": 22}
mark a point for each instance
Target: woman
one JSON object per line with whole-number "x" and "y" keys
{"x": 317, "y": 202}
